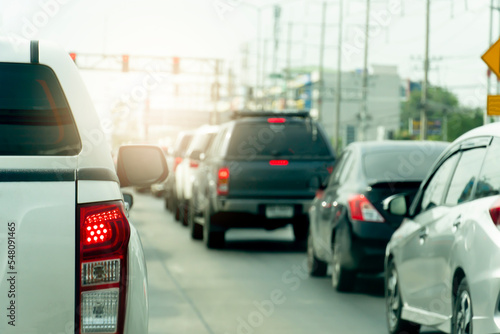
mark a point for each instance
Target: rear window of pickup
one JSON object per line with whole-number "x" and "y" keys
{"x": 35, "y": 118}
{"x": 289, "y": 139}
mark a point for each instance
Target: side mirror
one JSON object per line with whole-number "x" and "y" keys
{"x": 141, "y": 165}
{"x": 129, "y": 200}
{"x": 396, "y": 205}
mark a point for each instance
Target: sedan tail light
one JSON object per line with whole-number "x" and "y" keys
{"x": 177, "y": 162}
{"x": 363, "y": 210}
{"x": 223, "y": 181}
{"x": 104, "y": 238}
{"x": 495, "y": 213}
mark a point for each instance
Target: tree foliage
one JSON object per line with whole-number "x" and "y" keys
{"x": 442, "y": 106}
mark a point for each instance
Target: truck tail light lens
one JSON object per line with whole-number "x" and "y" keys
{"x": 495, "y": 213}
{"x": 276, "y": 120}
{"x": 278, "y": 162}
{"x": 363, "y": 210}
{"x": 223, "y": 181}
{"x": 104, "y": 238}
{"x": 329, "y": 168}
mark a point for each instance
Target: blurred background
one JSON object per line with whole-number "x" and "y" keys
{"x": 154, "y": 68}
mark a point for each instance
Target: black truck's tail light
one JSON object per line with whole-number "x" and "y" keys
{"x": 223, "y": 181}
{"x": 104, "y": 238}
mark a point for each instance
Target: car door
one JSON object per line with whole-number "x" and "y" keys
{"x": 414, "y": 269}
{"x": 330, "y": 205}
{"x": 442, "y": 232}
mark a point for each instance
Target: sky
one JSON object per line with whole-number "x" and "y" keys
{"x": 219, "y": 28}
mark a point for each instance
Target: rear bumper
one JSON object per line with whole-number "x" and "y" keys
{"x": 258, "y": 206}
{"x": 367, "y": 247}
{"x": 251, "y": 213}
{"x": 366, "y": 255}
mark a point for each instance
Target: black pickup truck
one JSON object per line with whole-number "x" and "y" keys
{"x": 262, "y": 171}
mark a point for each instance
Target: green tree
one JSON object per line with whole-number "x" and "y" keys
{"x": 442, "y": 106}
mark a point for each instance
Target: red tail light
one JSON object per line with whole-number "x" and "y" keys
{"x": 276, "y": 120}
{"x": 177, "y": 161}
{"x": 223, "y": 181}
{"x": 104, "y": 237}
{"x": 329, "y": 169}
{"x": 363, "y": 210}
{"x": 495, "y": 213}
{"x": 193, "y": 164}
{"x": 278, "y": 162}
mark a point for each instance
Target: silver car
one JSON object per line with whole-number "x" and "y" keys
{"x": 443, "y": 262}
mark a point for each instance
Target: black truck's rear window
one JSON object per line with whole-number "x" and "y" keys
{"x": 35, "y": 118}
{"x": 293, "y": 139}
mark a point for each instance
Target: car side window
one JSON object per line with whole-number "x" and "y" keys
{"x": 346, "y": 169}
{"x": 464, "y": 178}
{"x": 216, "y": 144}
{"x": 436, "y": 187}
{"x": 488, "y": 183}
{"x": 334, "y": 179}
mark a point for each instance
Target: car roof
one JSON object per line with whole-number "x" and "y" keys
{"x": 385, "y": 145}
{"x": 492, "y": 129}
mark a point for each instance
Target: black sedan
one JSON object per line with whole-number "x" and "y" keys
{"x": 348, "y": 227}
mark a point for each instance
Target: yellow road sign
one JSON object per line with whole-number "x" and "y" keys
{"x": 493, "y": 106}
{"x": 492, "y": 58}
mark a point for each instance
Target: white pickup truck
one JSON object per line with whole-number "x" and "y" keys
{"x": 70, "y": 262}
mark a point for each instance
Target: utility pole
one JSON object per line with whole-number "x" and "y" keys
{"x": 488, "y": 74}
{"x": 321, "y": 81}
{"x": 288, "y": 60}
{"x": 338, "y": 95}
{"x": 498, "y": 79}
{"x": 258, "y": 88}
{"x": 423, "y": 111}
{"x": 364, "y": 91}
{"x": 277, "y": 15}
{"x": 264, "y": 81}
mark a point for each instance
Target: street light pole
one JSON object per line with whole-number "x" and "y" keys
{"x": 338, "y": 94}
{"x": 423, "y": 110}
{"x": 257, "y": 74}
{"x": 321, "y": 81}
{"x": 364, "y": 91}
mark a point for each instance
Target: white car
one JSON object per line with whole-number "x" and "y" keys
{"x": 70, "y": 262}
{"x": 443, "y": 263}
{"x": 186, "y": 170}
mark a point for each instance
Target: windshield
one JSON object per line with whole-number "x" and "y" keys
{"x": 292, "y": 139}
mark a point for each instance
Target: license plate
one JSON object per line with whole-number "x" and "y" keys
{"x": 279, "y": 211}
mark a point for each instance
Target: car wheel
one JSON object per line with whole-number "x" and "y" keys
{"x": 315, "y": 266}
{"x": 195, "y": 228}
{"x": 462, "y": 310}
{"x": 176, "y": 209}
{"x": 213, "y": 239}
{"x": 184, "y": 212}
{"x": 394, "y": 304}
{"x": 343, "y": 280}
{"x": 301, "y": 229}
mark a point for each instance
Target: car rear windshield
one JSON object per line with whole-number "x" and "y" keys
{"x": 289, "y": 139}
{"x": 35, "y": 118}
{"x": 407, "y": 164}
